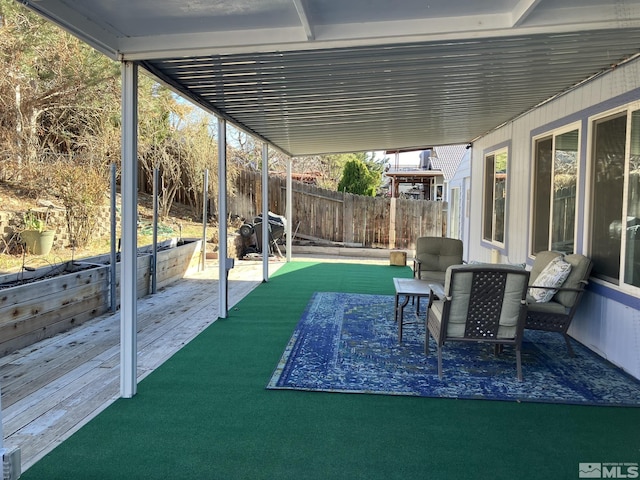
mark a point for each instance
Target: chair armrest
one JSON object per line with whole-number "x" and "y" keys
{"x": 437, "y": 290}
{"x": 558, "y": 289}
{"x": 416, "y": 267}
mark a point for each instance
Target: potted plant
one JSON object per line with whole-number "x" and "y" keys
{"x": 37, "y": 239}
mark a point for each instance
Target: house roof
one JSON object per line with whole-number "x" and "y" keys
{"x": 447, "y": 158}
{"x": 328, "y": 76}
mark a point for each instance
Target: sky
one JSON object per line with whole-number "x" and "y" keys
{"x": 407, "y": 159}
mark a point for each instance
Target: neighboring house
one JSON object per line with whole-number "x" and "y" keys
{"x": 426, "y": 179}
{"x": 566, "y": 176}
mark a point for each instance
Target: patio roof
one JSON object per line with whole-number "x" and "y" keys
{"x": 335, "y": 76}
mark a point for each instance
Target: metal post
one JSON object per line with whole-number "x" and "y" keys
{"x": 222, "y": 218}
{"x": 265, "y": 213}
{"x": 114, "y": 258}
{"x": 154, "y": 256}
{"x": 205, "y": 201}
{"x": 128, "y": 266}
{"x": 289, "y": 209}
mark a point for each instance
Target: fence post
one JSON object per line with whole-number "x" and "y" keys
{"x": 347, "y": 219}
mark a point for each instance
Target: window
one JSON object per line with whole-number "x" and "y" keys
{"x": 454, "y": 207}
{"x": 495, "y": 197}
{"x": 615, "y": 200}
{"x": 554, "y": 192}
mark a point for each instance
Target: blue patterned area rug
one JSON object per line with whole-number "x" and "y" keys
{"x": 349, "y": 343}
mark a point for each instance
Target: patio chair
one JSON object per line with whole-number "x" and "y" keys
{"x": 559, "y": 305}
{"x": 434, "y": 255}
{"x": 482, "y": 303}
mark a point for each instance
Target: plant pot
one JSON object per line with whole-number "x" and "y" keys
{"x": 38, "y": 243}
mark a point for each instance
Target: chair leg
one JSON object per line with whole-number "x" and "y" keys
{"x": 568, "y": 342}
{"x": 440, "y": 362}
{"x": 519, "y": 364}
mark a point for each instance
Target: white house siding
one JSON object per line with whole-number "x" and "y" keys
{"x": 608, "y": 320}
{"x": 610, "y": 329}
{"x": 462, "y": 180}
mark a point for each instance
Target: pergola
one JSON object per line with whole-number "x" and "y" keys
{"x": 325, "y": 76}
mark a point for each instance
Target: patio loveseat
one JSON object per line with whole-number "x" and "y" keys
{"x": 552, "y": 300}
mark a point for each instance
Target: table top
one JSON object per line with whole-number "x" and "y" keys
{"x": 416, "y": 287}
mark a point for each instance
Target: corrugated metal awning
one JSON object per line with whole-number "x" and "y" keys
{"x": 335, "y": 76}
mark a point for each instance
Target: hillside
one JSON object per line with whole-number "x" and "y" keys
{"x": 14, "y": 202}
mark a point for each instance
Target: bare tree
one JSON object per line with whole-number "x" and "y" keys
{"x": 49, "y": 77}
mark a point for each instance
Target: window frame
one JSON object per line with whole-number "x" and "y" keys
{"x": 625, "y": 110}
{"x": 485, "y": 214}
{"x": 552, "y": 135}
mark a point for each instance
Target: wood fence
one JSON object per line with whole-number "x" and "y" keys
{"x": 342, "y": 217}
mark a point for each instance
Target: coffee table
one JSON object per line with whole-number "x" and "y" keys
{"x": 412, "y": 288}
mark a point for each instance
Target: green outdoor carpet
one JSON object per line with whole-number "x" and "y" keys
{"x": 205, "y": 414}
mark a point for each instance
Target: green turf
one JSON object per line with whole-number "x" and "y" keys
{"x": 205, "y": 414}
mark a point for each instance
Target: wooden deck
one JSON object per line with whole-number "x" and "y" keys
{"x": 54, "y": 387}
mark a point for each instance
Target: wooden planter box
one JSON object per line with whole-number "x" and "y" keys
{"x": 75, "y": 292}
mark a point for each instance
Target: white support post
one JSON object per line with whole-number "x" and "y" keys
{"x": 128, "y": 270}
{"x": 265, "y": 212}
{"x": 289, "y": 212}
{"x": 222, "y": 218}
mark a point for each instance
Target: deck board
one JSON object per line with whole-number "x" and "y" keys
{"x": 52, "y": 388}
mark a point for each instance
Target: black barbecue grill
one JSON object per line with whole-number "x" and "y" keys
{"x": 252, "y": 234}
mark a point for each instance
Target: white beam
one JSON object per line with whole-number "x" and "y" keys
{"x": 522, "y": 10}
{"x": 128, "y": 265}
{"x": 304, "y": 19}
{"x": 137, "y": 46}
{"x": 76, "y": 24}
{"x": 223, "y": 310}
{"x": 265, "y": 212}
{"x": 343, "y": 35}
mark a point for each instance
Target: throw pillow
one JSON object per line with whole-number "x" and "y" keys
{"x": 551, "y": 277}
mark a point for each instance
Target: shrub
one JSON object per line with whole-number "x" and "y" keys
{"x": 33, "y": 222}
{"x": 357, "y": 179}
{"x": 81, "y": 187}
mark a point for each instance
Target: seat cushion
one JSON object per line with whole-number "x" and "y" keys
{"x": 433, "y": 276}
{"x": 551, "y": 307}
{"x": 552, "y": 276}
